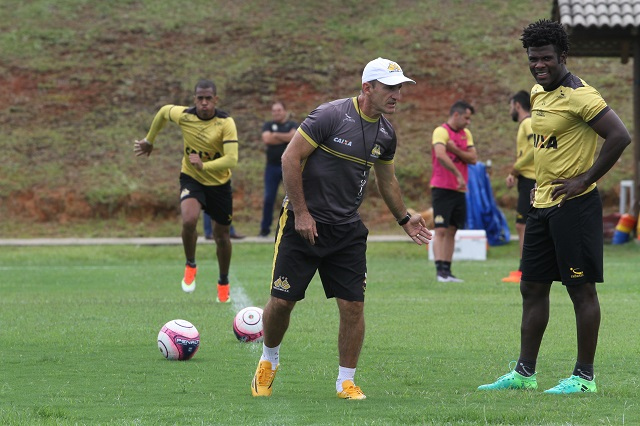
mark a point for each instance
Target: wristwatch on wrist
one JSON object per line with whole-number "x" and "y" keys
{"x": 405, "y": 219}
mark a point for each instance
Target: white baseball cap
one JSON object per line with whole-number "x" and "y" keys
{"x": 385, "y": 71}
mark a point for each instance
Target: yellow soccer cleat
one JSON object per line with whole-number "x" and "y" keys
{"x": 262, "y": 382}
{"x": 351, "y": 391}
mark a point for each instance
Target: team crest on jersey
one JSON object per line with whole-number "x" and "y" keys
{"x": 376, "y": 151}
{"x": 383, "y": 130}
{"x": 348, "y": 118}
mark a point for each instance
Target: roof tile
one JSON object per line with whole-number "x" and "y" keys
{"x": 598, "y": 13}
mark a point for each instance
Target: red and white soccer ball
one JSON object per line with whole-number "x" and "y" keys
{"x": 247, "y": 325}
{"x": 178, "y": 340}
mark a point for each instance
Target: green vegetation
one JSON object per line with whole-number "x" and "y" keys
{"x": 81, "y": 80}
{"x": 79, "y": 327}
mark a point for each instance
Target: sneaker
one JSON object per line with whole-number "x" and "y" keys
{"x": 514, "y": 277}
{"x": 512, "y": 380}
{"x": 574, "y": 384}
{"x": 223, "y": 293}
{"x": 351, "y": 391}
{"x": 447, "y": 277}
{"x": 263, "y": 379}
{"x": 189, "y": 280}
{"x": 453, "y": 279}
{"x": 442, "y": 278}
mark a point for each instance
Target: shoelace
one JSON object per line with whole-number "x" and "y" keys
{"x": 353, "y": 389}
{"x": 264, "y": 375}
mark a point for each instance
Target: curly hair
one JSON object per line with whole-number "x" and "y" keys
{"x": 545, "y": 32}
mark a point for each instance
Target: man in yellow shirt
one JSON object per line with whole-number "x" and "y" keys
{"x": 523, "y": 169}
{"x": 210, "y": 152}
{"x": 563, "y": 239}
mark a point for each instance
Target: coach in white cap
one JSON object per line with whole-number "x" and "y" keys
{"x": 385, "y": 71}
{"x": 320, "y": 229}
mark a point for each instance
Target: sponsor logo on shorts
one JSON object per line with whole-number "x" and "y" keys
{"x": 282, "y": 284}
{"x": 576, "y": 273}
{"x": 185, "y": 193}
{"x": 438, "y": 219}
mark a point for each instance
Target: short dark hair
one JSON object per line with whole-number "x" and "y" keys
{"x": 461, "y": 107}
{"x": 205, "y": 84}
{"x": 278, "y": 102}
{"x": 523, "y": 98}
{"x": 545, "y": 32}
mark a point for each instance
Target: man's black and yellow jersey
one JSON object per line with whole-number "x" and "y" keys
{"x": 214, "y": 140}
{"x": 564, "y": 142}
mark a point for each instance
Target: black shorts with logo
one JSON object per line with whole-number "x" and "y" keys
{"x": 449, "y": 208}
{"x": 525, "y": 185}
{"x": 216, "y": 201}
{"x": 565, "y": 243}
{"x": 339, "y": 255}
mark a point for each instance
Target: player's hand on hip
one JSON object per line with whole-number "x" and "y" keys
{"x": 568, "y": 188}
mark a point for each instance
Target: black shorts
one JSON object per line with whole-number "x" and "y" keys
{"x": 565, "y": 243}
{"x": 449, "y": 208}
{"x": 339, "y": 255}
{"x": 525, "y": 185}
{"x": 216, "y": 201}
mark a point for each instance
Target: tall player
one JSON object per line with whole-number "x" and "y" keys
{"x": 563, "y": 238}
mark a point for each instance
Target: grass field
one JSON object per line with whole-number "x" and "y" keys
{"x": 78, "y": 329}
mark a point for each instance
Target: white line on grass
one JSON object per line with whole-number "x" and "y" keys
{"x": 239, "y": 298}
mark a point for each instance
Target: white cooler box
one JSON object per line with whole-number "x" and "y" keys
{"x": 471, "y": 244}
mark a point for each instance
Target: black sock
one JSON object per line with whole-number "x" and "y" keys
{"x": 520, "y": 266}
{"x": 584, "y": 371}
{"x": 224, "y": 279}
{"x": 191, "y": 262}
{"x": 446, "y": 266}
{"x": 526, "y": 368}
{"x": 438, "y": 265}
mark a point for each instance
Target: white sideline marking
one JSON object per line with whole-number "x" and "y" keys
{"x": 239, "y": 298}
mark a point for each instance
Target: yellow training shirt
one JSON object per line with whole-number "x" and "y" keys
{"x": 214, "y": 140}
{"x": 564, "y": 142}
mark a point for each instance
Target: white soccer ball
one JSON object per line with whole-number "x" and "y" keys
{"x": 178, "y": 340}
{"x": 247, "y": 325}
